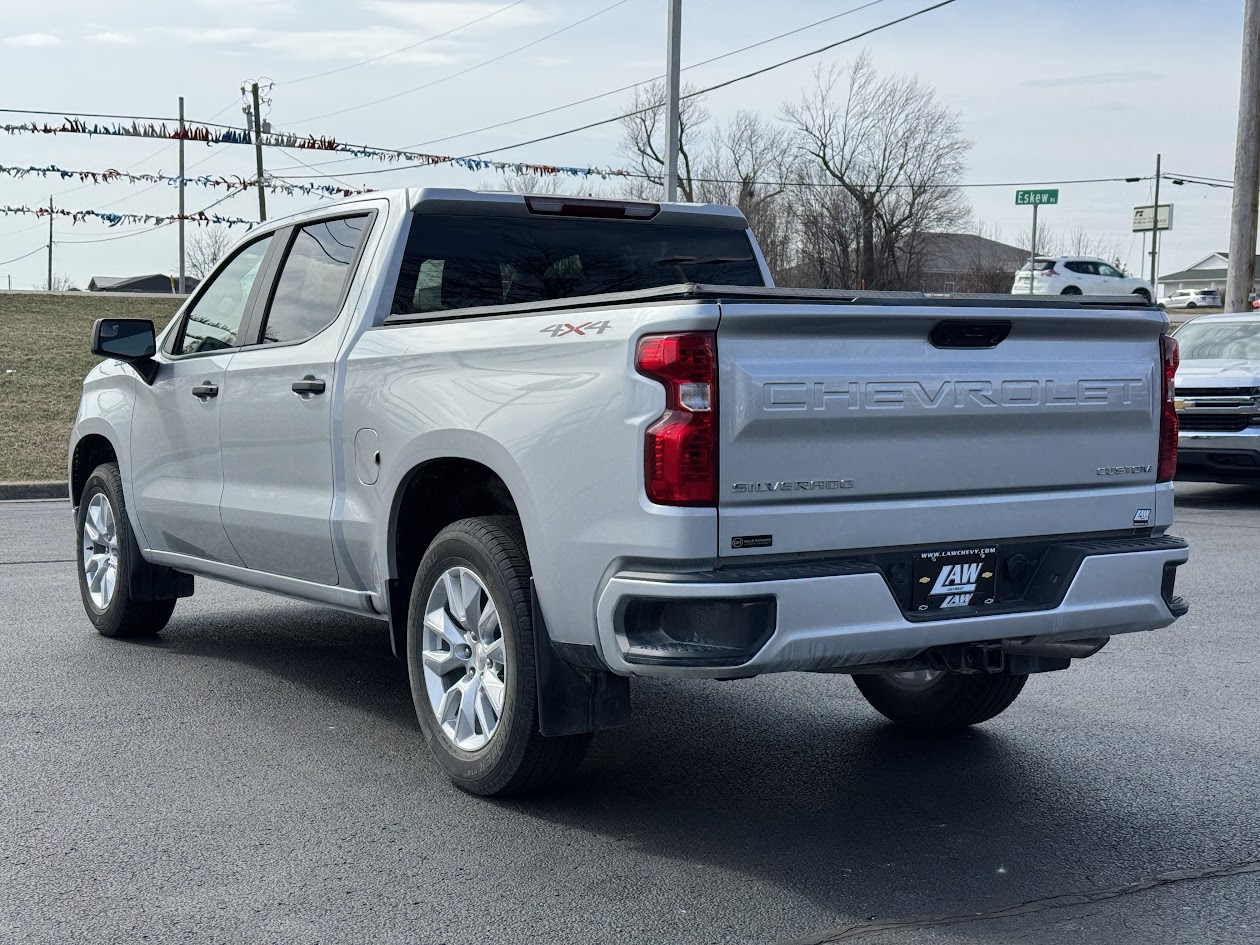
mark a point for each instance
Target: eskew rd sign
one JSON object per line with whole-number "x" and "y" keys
{"x": 1033, "y": 198}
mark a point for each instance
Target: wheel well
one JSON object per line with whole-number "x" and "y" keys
{"x": 90, "y": 452}
{"x": 433, "y": 496}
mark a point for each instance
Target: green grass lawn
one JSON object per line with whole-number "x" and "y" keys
{"x": 44, "y": 343}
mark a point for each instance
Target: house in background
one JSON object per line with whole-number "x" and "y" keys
{"x": 967, "y": 262}
{"x": 1209, "y": 272}
{"x": 157, "y": 284}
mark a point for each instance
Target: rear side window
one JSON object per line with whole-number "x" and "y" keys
{"x": 1084, "y": 268}
{"x": 313, "y": 279}
{"x": 454, "y": 262}
{"x": 1041, "y": 265}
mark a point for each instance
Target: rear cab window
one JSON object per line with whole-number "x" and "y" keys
{"x": 457, "y": 261}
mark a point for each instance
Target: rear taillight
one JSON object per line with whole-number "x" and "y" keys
{"x": 1171, "y": 358}
{"x": 1048, "y": 272}
{"x": 681, "y": 449}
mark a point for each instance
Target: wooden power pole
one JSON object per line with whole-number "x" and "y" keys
{"x": 50, "y": 242}
{"x": 1242, "y": 228}
{"x": 262, "y": 191}
{"x": 673, "y": 68}
{"x": 182, "y": 283}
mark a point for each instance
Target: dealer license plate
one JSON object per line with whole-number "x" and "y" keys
{"x": 958, "y": 577}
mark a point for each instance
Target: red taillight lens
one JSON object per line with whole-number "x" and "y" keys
{"x": 681, "y": 450}
{"x": 1168, "y": 411}
{"x": 1049, "y": 272}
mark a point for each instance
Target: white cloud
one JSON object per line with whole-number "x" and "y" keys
{"x": 33, "y": 39}
{"x": 109, "y": 38}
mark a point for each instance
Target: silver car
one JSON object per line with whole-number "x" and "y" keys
{"x": 1218, "y": 399}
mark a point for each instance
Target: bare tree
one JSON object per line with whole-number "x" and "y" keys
{"x": 205, "y": 247}
{"x": 60, "y": 283}
{"x": 559, "y": 184}
{"x": 643, "y": 140}
{"x": 894, "y": 151}
{"x": 1075, "y": 242}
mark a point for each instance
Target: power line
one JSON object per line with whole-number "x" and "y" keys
{"x": 635, "y": 85}
{"x": 453, "y": 75}
{"x": 355, "y": 65}
{"x": 720, "y": 85}
{"x": 37, "y": 249}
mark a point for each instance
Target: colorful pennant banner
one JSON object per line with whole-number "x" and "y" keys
{"x": 115, "y": 219}
{"x": 211, "y": 181}
{"x": 209, "y": 135}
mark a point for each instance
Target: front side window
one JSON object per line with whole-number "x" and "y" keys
{"x": 1083, "y": 268}
{"x": 214, "y": 321}
{"x": 313, "y": 279}
{"x": 1105, "y": 270}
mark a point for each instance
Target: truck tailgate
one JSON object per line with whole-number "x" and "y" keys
{"x": 848, "y": 427}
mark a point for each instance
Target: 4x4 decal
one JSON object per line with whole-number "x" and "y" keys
{"x": 559, "y": 331}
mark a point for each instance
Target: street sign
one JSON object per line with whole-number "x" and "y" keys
{"x": 1033, "y": 198}
{"x": 1144, "y": 218}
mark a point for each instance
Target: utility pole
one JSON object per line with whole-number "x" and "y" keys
{"x": 1155, "y": 231}
{"x": 1242, "y": 227}
{"x": 50, "y": 241}
{"x": 673, "y": 69}
{"x": 182, "y": 286}
{"x": 262, "y": 193}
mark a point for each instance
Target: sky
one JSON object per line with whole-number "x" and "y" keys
{"x": 1046, "y": 91}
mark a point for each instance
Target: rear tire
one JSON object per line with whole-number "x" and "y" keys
{"x": 1143, "y": 295}
{"x": 470, "y": 658}
{"x": 1191, "y": 305}
{"x": 108, "y": 552}
{"x": 1071, "y": 290}
{"x": 941, "y": 701}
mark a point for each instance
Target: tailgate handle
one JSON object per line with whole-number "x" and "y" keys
{"x": 963, "y": 334}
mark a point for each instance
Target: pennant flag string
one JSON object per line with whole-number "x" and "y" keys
{"x": 209, "y": 135}
{"x": 117, "y": 219}
{"x": 212, "y": 181}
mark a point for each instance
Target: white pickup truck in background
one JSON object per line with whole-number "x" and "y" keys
{"x": 559, "y": 442}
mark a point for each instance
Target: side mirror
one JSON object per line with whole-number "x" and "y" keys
{"x": 127, "y": 339}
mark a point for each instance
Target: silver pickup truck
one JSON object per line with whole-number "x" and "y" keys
{"x": 559, "y": 442}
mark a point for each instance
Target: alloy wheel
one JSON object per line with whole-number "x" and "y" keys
{"x": 464, "y": 659}
{"x": 100, "y": 550}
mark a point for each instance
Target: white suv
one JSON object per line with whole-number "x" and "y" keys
{"x": 1077, "y": 275}
{"x": 1192, "y": 298}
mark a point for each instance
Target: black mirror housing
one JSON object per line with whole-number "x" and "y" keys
{"x": 127, "y": 339}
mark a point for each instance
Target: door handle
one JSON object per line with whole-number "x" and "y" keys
{"x": 309, "y": 385}
{"x": 205, "y": 390}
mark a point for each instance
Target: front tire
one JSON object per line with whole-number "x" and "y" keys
{"x": 938, "y": 700}
{"x": 1071, "y": 290}
{"x": 1191, "y": 305}
{"x": 108, "y": 552}
{"x": 470, "y": 659}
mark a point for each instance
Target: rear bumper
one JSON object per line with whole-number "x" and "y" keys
{"x": 834, "y": 621}
{"x": 1219, "y": 457}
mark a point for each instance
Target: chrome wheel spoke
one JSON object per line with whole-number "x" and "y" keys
{"x": 443, "y": 628}
{"x": 494, "y": 691}
{"x": 496, "y": 652}
{"x": 442, "y": 661}
{"x": 488, "y": 621}
{"x": 455, "y": 595}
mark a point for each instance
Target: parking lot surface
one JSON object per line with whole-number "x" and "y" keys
{"x": 256, "y": 774}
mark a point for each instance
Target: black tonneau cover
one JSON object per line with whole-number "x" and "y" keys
{"x": 689, "y": 292}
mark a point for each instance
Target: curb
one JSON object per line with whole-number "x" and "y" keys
{"x": 33, "y": 490}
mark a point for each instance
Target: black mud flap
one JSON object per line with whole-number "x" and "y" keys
{"x": 573, "y": 699}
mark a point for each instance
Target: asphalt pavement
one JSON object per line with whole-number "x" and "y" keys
{"x": 257, "y": 775}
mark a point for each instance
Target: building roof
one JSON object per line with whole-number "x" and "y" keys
{"x": 1191, "y": 273}
{"x": 153, "y": 282}
{"x": 968, "y": 252}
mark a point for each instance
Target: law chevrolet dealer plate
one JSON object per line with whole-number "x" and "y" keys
{"x": 960, "y": 577}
